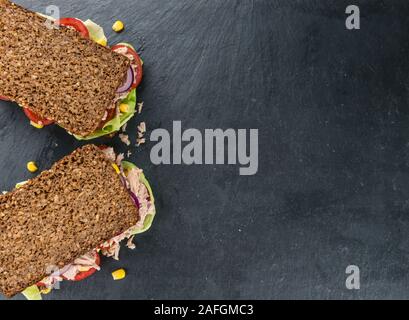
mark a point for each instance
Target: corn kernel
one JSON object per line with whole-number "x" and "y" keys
{"x": 118, "y": 26}
{"x": 37, "y": 125}
{"x": 116, "y": 168}
{"x": 45, "y": 290}
{"x": 102, "y": 42}
{"x": 119, "y": 274}
{"x": 123, "y": 107}
{"x": 31, "y": 166}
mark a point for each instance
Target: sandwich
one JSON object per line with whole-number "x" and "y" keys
{"x": 56, "y": 226}
{"x": 62, "y": 72}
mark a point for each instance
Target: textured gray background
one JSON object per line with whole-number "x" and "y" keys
{"x": 333, "y": 184}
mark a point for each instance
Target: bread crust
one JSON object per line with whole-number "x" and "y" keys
{"x": 57, "y": 73}
{"x": 60, "y": 215}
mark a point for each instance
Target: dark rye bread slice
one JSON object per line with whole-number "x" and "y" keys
{"x": 60, "y": 215}
{"x": 56, "y": 72}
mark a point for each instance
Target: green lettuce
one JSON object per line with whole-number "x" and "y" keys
{"x": 149, "y": 218}
{"x": 96, "y": 32}
{"x": 20, "y": 184}
{"x": 115, "y": 124}
{"x": 32, "y": 293}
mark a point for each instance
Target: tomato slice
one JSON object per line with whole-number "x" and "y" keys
{"x": 76, "y": 24}
{"x": 4, "y": 98}
{"x": 136, "y": 62}
{"x": 36, "y": 118}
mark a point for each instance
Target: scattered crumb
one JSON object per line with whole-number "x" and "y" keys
{"x": 128, "y": 154}
{"x": 105, "y": 116}
{"x": 142, "y": 127}
{"x": 140, "y": 106}
{"x": 124, "y": 127}
{"x": 125, "y": 139}
{"x": 130, "y": 243}
{"x": 119, "y": 158}
{"x": 141, "y": 132}
{"x": 140, "y": 141}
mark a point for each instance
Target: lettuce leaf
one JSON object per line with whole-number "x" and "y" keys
{"x": 20, "y": 184}
{"x": 116, "y": 123}
{"x": 96, "y": 32}
{"x": 149, "y": 218}
{"x": 32, "y": 293}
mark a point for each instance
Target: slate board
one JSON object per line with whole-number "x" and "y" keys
{"x": 332, "y": 189}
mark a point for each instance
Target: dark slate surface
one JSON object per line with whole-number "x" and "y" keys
{"x": 333, "y": 184}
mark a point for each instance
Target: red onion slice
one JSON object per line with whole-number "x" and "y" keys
{"x": 128, "y": 83}
{"x": 135, "y": 199}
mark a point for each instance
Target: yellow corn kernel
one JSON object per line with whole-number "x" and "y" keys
{"x": 123, "y": 107}
{"x": 32, "y": 167}
{"x": 116, "y": 168}
{"x": 102, "y": 42}
{"x": 118, "y": 26}
{"x": 119, "y": 274}
{"x": 45, "y": 290}
{"x": 37, "y": 125}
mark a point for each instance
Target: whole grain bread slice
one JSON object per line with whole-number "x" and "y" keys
{"x": 60, "y": 215}
{"x": 57, "y": 73}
